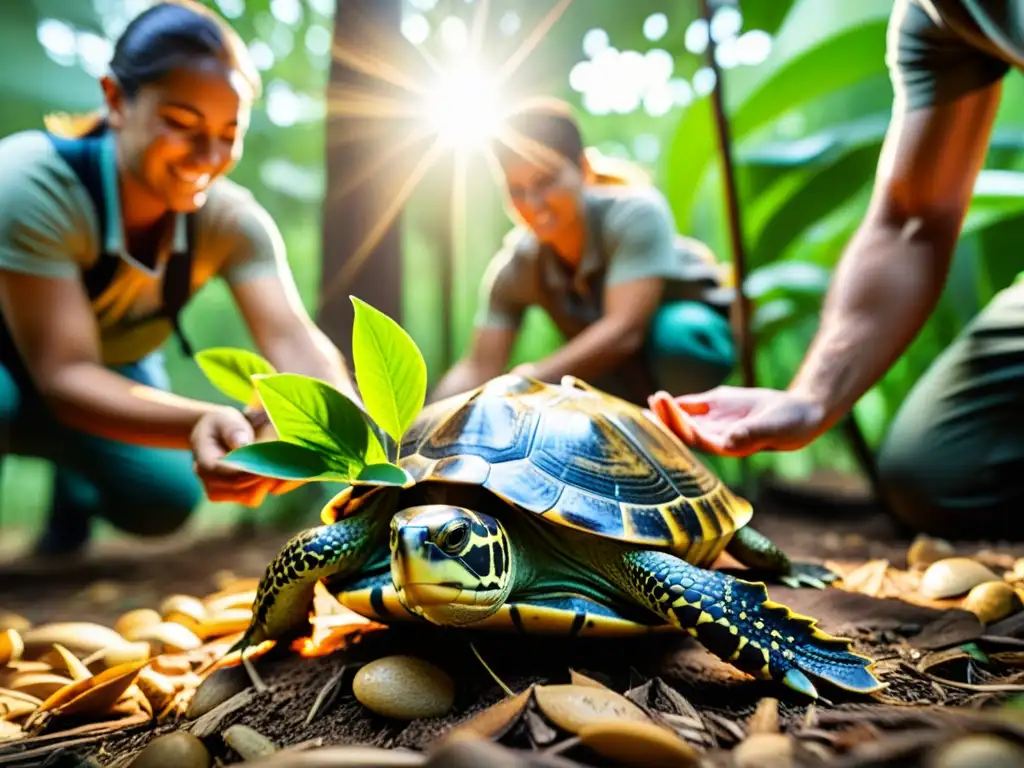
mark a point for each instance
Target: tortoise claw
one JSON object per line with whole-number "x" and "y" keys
{"x": 800, "y": 683}
{"x": 809, "y": 575}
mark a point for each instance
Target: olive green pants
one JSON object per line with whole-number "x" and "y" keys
{"x": 952, "y": 464}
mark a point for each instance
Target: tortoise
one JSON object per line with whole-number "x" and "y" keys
{"x": 545, "y": 508}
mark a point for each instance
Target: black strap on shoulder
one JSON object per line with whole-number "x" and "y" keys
{"x": 177, "y": 287}
{"x": 83, "y": 157}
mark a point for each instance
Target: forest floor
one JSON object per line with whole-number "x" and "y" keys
{"x": 947, "y": 674}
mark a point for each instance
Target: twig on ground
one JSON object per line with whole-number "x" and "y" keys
{"x": 328, "y": 694}
{"x": 497, "y": 679}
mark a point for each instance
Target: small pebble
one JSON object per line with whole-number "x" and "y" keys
{"x": 103, "y": 592}
{"x": 177, "y": 749}
{"x": 954, "y": 576}
{"x": 926, "y": 550}
{"x": 764, "y": 750}
{"x": 404, "y": 688}
{"x": 978, "y": 750}
{"x": 992, "y": 601}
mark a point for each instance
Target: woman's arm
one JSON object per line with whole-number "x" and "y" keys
{"x": 638, "y": 235}
{"x": 614, "y": 338}
{"x": 286, "y": 335}
{"x": 488, "y": 355}
{"x": 54, "y": 330}
{"x": 503, "y": 301}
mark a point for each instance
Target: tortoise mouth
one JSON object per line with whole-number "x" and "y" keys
{"x": 423, "y": 594}
{"x": 426, "y": 595}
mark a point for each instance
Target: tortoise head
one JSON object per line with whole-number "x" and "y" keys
{"x": 450, "y": 565}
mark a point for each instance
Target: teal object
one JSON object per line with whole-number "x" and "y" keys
{"x": 690, "y": 347}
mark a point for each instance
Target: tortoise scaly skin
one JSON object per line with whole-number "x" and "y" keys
{"x": 556, "y": 509}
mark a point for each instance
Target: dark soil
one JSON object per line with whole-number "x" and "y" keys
{"x": 840, "y": 525}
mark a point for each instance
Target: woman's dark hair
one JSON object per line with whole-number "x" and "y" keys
{"x": 546, "y": 121}
{"x": 551, "y": 124}
{"x": 161, "y": 39}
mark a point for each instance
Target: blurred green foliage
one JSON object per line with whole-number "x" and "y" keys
{"x": 807, "y": 124}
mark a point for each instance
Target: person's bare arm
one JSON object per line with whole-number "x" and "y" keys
{"x": 286, "y": 335}
{"x": 55, "y": 331}
{"x": 894, "y": 269}
{"x": 611, "y": 340}
{"x": 488, "y": 355}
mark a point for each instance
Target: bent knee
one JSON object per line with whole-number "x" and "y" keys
{"x": 959, "y": 496}
{"x": 689, "y": 348}
{"x": 159, "y": 509}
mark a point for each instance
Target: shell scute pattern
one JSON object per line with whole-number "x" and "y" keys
{"x": 580, "y": 458}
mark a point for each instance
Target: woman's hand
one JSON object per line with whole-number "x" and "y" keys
{"x": 739, "y": 421}
{"x": 215, "y": 435}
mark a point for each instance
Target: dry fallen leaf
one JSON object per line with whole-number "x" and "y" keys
{"x": 11, "y": 646}
{"x": 17, "y": 704}
{"x": 70, "y": 663}
{"x": 571, "y": 707}
{"x": 95, "y": 695}
{"x": 578, "y": 678}
{"x": 493, "y": 722}
{"x": 38, "y": 684}
{"x": 82, "y": 638}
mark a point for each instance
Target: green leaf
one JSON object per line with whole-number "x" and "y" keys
{"x": 975, "y": 652}
{"x": 383, "y": 474}
{"x": 787, "y": 277}
{"x": 390, "y": 371}
{"x": 311, "y": 413}
{"x": 286, "y": 461}
{"x": 231, "y": 370}
{"x": 821, "y": 47}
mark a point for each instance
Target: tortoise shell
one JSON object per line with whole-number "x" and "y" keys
{"x": 578, "y": 457}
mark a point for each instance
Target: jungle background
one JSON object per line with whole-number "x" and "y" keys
{"x": 808, "y": 99}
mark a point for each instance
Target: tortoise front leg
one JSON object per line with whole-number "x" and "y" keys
{"x": 735, "y": 620}
{"x": 285, "y": 592}
{"x": 758, "y": 552}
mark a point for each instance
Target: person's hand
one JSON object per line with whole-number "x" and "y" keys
{"x": 739, "y": 421}
{"x": 529, "y": 370}
{"x": 213, "y": 437}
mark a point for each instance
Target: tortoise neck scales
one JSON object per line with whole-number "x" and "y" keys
{"x": 286, "y": 589}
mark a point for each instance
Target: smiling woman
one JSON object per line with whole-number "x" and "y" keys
{"x": 597, "y": 250}
{"x": 109, "y": 223}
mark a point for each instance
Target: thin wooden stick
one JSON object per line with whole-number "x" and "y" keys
{"x": 741, "y": 307}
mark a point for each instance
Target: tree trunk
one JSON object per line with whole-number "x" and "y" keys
{"x": 353, "y": 207}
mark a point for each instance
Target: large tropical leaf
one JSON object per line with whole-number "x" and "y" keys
{"x": 822, "y": 45}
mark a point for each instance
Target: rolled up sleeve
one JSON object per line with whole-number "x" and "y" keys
{"x": 930, "y": 63}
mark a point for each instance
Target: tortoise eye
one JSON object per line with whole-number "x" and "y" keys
{"x": 453, "y": 536}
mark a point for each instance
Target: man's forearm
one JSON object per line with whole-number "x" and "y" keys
{"x": 884, "y": 289}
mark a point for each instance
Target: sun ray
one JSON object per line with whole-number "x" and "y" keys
{"x": 532, "y": 41}
{"x": 375, "y": 67}
{"x": 348, "y": 101}
{"x": 363, "y": 56}
{"x": 531, "y": 149}
{"x": 429, "y": 100}
{"x": 350, "y": 131}
{"x": 476, "y": 33}
{"x": 385, "y": 156}
{"x": 355, "y": 262}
